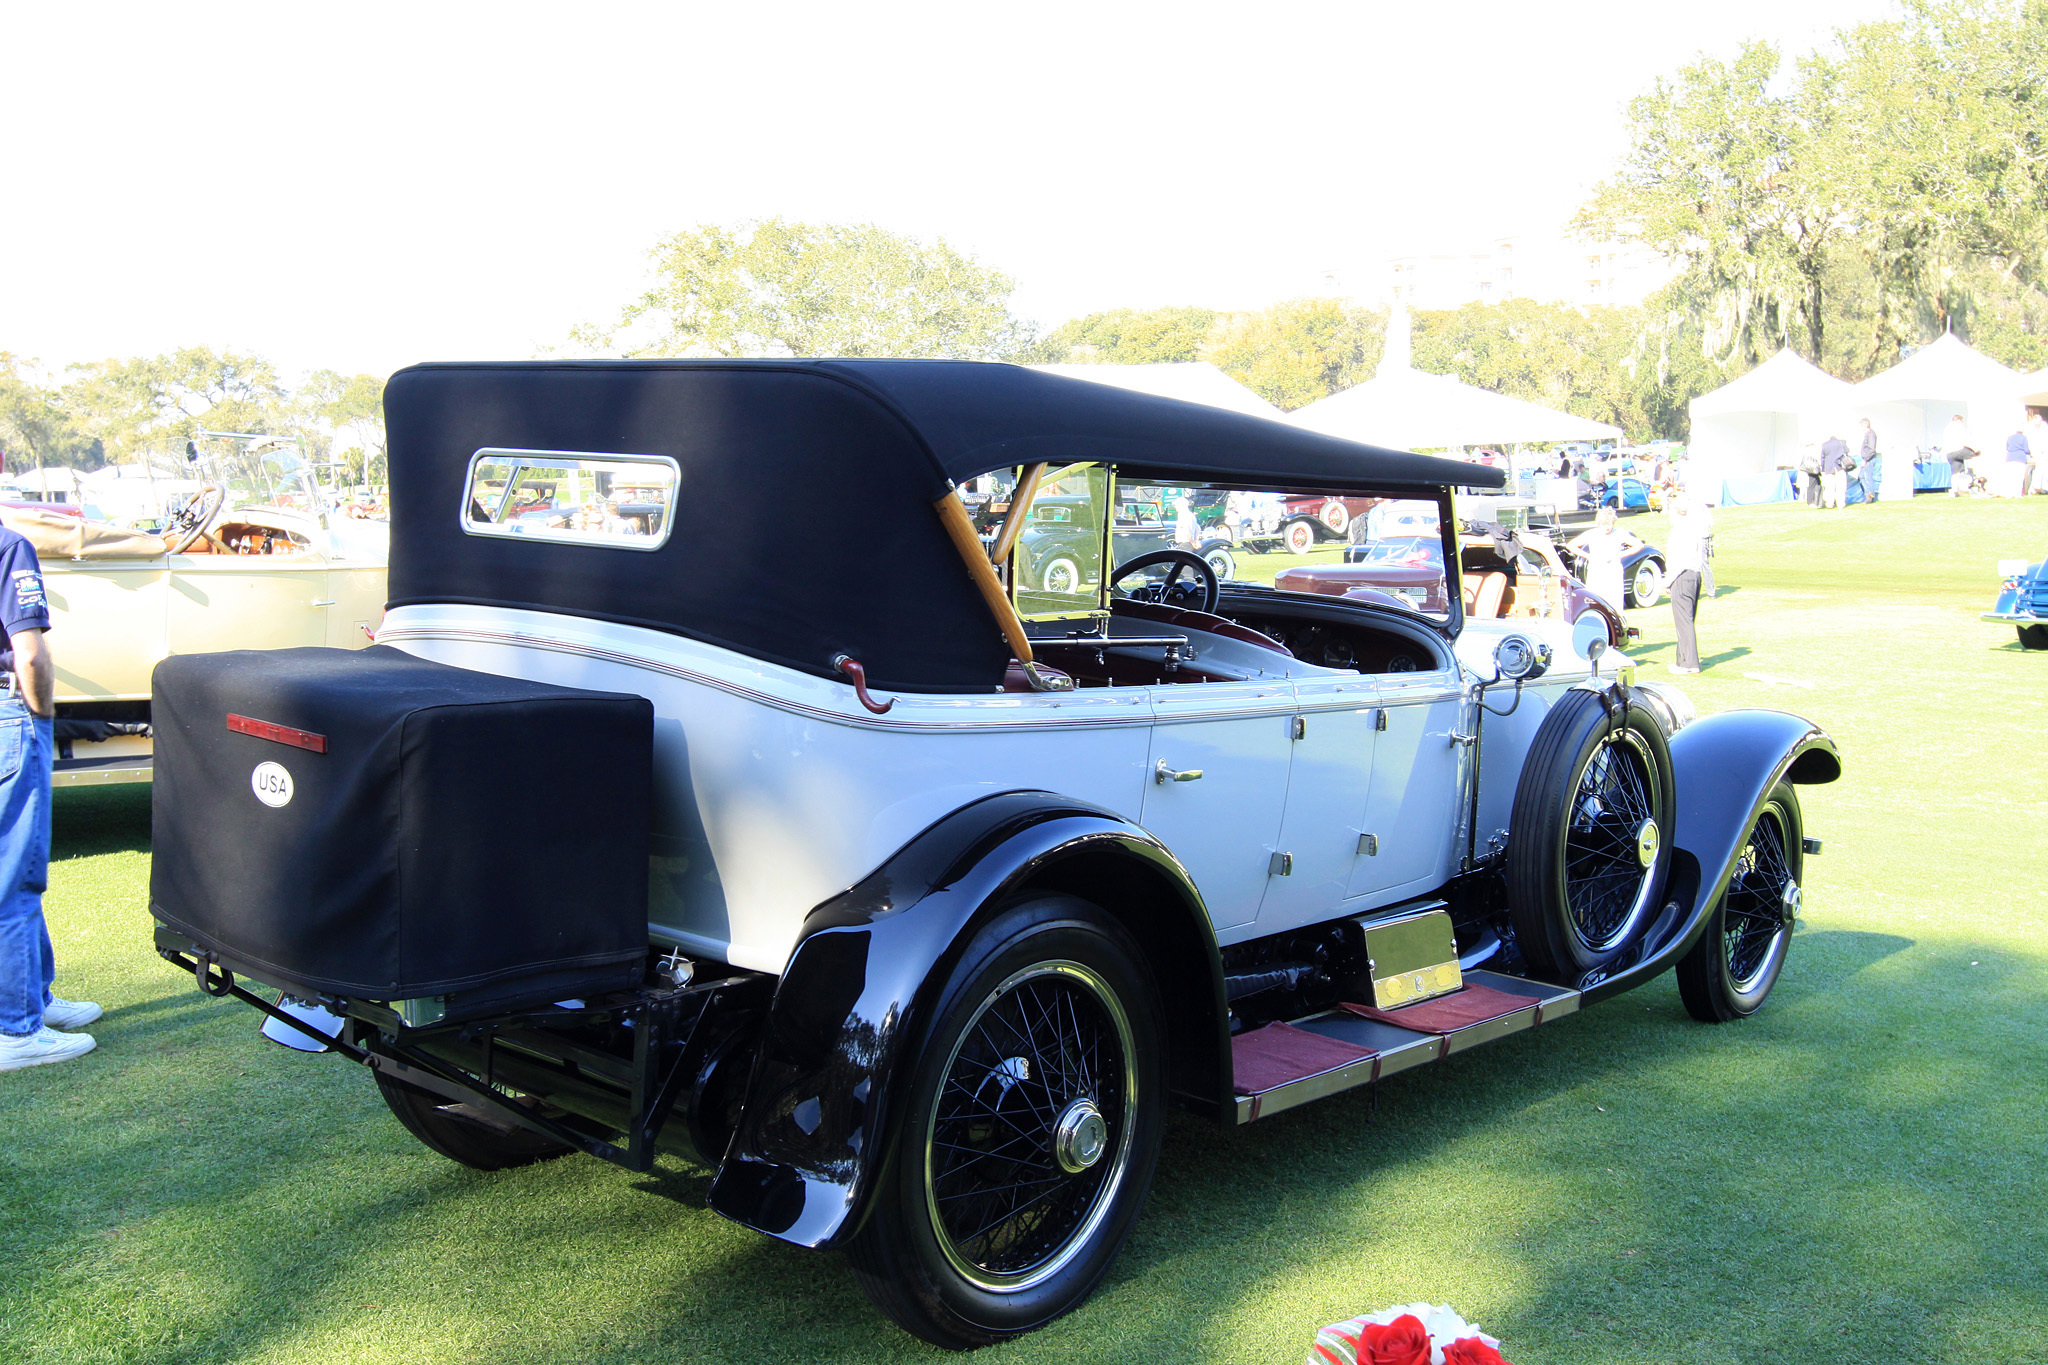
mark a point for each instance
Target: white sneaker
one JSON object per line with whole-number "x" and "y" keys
{"x": 42, "y": 1047}
{"x": 62, "y": 1013}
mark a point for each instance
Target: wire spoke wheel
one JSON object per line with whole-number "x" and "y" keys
{"x": 1729, "y": 971}
{"x": 1755, "y": 911}
{"x": 1590, "y": 850}
{"x": 1028, "y": 1136}
{"x": 1029, "y": 1127}
{"x": 1605, "y": 872}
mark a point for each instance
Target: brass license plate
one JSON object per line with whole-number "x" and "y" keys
{"x": 1413, "y": 958}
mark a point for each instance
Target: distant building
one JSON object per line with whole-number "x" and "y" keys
{"x": 1583, "y": 274}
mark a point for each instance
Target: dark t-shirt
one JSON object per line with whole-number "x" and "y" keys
{"x": 22, "y": 604}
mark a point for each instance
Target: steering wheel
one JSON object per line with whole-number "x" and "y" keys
{"x": 1167, "y": 589}
{"x": 193, "y": 514}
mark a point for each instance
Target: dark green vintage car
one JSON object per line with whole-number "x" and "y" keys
{"x": 1059, "y": 551}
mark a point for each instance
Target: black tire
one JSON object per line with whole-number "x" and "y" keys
{"x": 1727, "y": 974}
{"x": 1646, "y": 583}
{"x": 1059, "y": 987}
{"x": 462, "y": 1133}
{"x": 1590, "y": 849}
{"x": 2033, "y": 637}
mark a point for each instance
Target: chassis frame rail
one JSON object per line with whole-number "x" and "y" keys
{"x": 665, "y": 1024}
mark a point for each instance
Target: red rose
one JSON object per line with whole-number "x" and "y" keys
{"x": 1404, "y": 1341}
{"x": 1471, "y": 1351}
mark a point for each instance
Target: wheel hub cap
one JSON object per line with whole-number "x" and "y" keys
{"x": 1647, "y": 841}
{"x": 1788, "y": 903}
{"x": 1080, "y": 1136}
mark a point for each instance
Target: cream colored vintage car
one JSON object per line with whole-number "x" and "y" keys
{"x": 254, "y": 558}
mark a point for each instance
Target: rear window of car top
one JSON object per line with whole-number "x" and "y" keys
{"x": 575, "y": 497}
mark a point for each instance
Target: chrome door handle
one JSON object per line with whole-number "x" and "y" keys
{"x": 1162, "y": 773}
{"x": 328, "y": 603}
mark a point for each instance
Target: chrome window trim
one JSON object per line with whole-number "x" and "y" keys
{"x": 594, "y": 540}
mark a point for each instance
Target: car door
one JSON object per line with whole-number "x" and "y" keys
{"x": 1224, "y": 825}
{"x": 1421, "y": 767}
{"x": 1335, "y": 732}
{"x": 221, "y": 602}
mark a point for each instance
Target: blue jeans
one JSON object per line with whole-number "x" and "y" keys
{"x": 1873, "y": 470}
{"x": 27, "y": 965}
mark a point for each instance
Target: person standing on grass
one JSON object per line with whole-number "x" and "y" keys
{"x": 1604, "y": 546}
{"x": 1834, "y": 475}
{"x": 29, "y": 1014}
{"x": 1872, "y": 463}
{"x": 1691, "y": 525}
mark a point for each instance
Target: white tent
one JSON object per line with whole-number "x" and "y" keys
{"x": 1912, "y": 402}
{"x": 1405, "y": 408}
{"x": 2034, "y": 389}
{"x": 1747, "y": 428}
{"x": 1194, "y": 381}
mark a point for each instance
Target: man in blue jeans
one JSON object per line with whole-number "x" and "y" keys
{"x": 30, "y": 1016}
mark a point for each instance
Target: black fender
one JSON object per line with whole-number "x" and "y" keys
{"x": 1725, "y": 767}
{"x": 856, "y": 998}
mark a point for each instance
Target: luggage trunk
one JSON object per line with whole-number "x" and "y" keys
{"x": 374, "y": 826}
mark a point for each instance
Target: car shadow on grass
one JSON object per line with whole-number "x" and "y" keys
{"x": 1589, "y": 1190}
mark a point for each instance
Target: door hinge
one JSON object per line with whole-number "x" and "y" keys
{"x": 1369, "y": 845}
{"x": 1282, "y": 865}
{"x": 1299, "y": 728}
{"x": 1379, "y": 719}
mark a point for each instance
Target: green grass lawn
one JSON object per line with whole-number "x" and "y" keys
{"x": 1859, "y": 1173}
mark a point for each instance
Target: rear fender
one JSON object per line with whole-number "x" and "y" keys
{"x": 1724, "y": 767}
{"x": 843, "y": 1031}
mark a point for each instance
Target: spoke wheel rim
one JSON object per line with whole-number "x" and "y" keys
{"x": 1616, "y": 805}
{"x": 1758, "y": 906}
{"x": 1006, "y": 1211}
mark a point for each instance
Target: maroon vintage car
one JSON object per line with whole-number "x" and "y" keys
{"x": 1501, "y": 576}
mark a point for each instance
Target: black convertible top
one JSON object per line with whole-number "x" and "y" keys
{"x": 803, "y": 526}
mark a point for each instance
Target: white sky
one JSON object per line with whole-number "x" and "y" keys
{"x": 361, "y": 186}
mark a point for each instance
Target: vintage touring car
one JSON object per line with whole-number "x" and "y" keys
{"x": 904, "y": 899}
{"x": 254, "y": 555}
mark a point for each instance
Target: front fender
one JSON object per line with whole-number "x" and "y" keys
{"x": 855, "y": 998}
{"x": 1724, "y": 768}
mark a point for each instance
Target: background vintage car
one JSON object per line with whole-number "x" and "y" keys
{"x": 272, "y": 567}
{"x": 2023, "y": 601}
{"x": 1531, "y": 581}
{"x": 908, "y": 901}
{"x": 1058, "y": 550}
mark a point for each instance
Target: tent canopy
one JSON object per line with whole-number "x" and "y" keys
{"x": 1194, "y": 381}
{"x": 1759, "y": 423}
{"x": 2034, "y": 389}
{"x": 1408, "y": 409}
{"x": 1945, "y": 370}
{"x": 1912, "y": 403}
{"x": 1787, "y": 382}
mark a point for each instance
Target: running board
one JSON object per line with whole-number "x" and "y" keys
{"x": 1388, "y": 1050}
{"x": 99, "y": 772}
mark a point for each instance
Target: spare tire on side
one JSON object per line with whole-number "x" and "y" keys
{"x": 1590, "y": 849}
